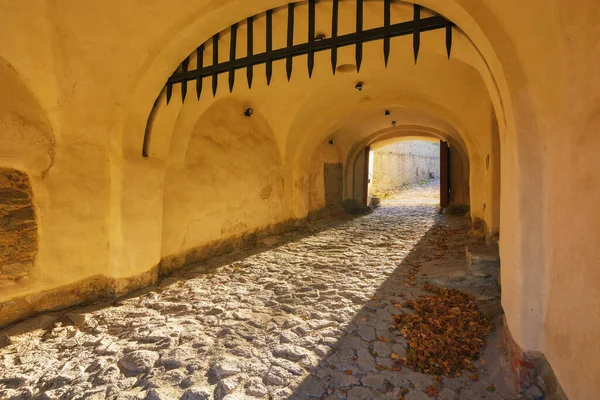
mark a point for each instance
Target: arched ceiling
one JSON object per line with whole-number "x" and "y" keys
{"x": 447, "y": 94}
{"x": 191, "y": 32}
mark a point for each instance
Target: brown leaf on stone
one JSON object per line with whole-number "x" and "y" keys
{"x": 431, "y": 391}
{"x": 446, "y": 332}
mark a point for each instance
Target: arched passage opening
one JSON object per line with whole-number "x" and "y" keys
{"x": 101, "y": 205}
{"x": 455, "y": 100}
{"x": 457, "y": 172}
{"x": 395, "y": 166}
{"x": 303, "y": 119}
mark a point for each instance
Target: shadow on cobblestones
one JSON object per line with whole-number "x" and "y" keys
{"x": 302, "y": 315}
{"x": 360, "y": 364}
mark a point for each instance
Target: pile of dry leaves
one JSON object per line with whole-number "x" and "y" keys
{"x": 446, "y": 332}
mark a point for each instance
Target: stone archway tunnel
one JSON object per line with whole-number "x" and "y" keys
{"x": 238, "y": 209}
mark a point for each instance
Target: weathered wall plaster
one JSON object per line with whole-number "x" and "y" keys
{"x": 77, "y": 118}
{"x": 232, "y": 182}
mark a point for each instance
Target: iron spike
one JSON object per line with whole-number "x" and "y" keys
{"x": 215, "y": 76}
{"x": 290, "y": 40}
{"x": 359, "y": 28}
{"x": 184, "y": 68}
{"x": 250, "y": 68}
{"x": 334, "y": 33}
{"x": 269, "y": 63}
{"x": 170, "y": 86}
{"x": 449, "y": 39}
{"x": 417, "y": 31}
{"x": 311, "y": 36}
{"x": 386, "y": 23}
{"x": 169, "y": 91}
{"x": 232, "y": 50}
{"x": 199, "y": 64}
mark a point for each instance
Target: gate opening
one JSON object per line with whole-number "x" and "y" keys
{"x": 406, "y": 172}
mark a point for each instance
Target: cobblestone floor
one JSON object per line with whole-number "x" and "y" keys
{"x": 303, "y": 315}
{"x": 427, "y": 192}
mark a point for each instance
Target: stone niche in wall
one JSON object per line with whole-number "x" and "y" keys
{"x": 18, "y": 227}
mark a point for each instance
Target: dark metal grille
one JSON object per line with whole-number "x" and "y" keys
{"x": 314, "y": 43}
{"x": 414, "y": 27}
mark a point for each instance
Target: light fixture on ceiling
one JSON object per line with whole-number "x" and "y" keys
{"x": 393, "y": 123}
{"x": 248, "y": 112}
{"x": 359, "y": 86}
{"x": 332, "y": 141}
{"x": 320, "y": 36}
{"x": 388, "y": 112}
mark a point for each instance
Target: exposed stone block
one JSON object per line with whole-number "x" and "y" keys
{"x": 18, "y": 227}
{"x": 483, "y": 262}
{"x": 9, "y": 196}
{"x": 532, "y": 370}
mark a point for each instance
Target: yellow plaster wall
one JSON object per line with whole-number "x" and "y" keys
{"x": 232, "y": 181}
{"x": 95, "y": 70}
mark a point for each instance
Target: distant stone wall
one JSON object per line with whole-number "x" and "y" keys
{"x": 402, "y": 163}
{"x": 18, "y": 227}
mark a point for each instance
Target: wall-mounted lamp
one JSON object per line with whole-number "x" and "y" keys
{"x": 388, "y": 112}
{"x": 393, "y": 123}
{"x": 359, "y": 86}
{"x": 248, "y": 112}
{"x": 320, "y": 36}
{"x": 332, "y": 141}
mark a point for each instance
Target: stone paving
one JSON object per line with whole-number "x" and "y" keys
{"x": 426, "y": 192}
{"x": 303, "y": 315}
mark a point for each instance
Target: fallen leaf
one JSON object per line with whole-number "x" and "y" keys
{"x": 431, "y": 391}
{"x": 446, "y": 332}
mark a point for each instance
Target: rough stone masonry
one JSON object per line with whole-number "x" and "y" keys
{"x": 305, "y": 315}
{"x": 18, "y": 227}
